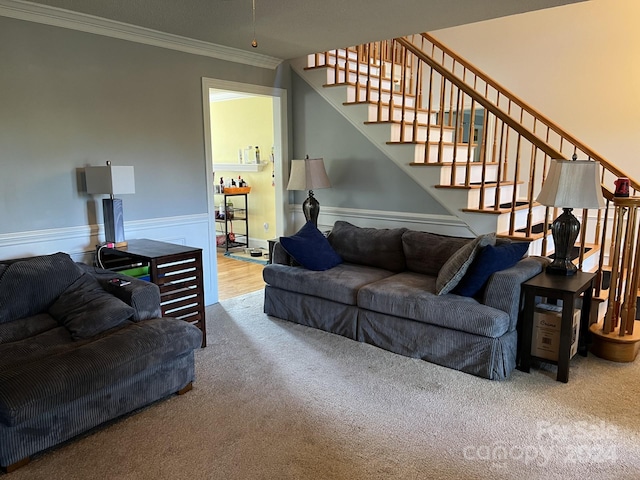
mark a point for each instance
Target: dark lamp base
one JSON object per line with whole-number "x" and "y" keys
{"x": 565, "y": 231}
{"x": 311, "y": 208}
{"x": 113, "y": 220}
{"x": 562, "y": 267}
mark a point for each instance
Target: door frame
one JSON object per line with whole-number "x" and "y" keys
{"x": 281, "y": 153}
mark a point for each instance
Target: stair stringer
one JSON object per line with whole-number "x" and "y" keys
{"x": 452, "y": 200}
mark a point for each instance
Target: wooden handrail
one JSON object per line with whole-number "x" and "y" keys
{"x": 489, "y": 106}
{"x": 532, "y": 111}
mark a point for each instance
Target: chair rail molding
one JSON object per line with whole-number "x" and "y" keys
{"x": 439, "y": 224}
{"x": 80, "y": 242}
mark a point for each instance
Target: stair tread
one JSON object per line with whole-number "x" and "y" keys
{"x": 411, "y": 142}
{"x": 449, "y": 164}
{"x": 364, "y": 87}
{"x": 406, "y": 122}
{"x": 473, "y": 186}
{"x": 502, "y": 208}
{"x": 537, "y": 231}
{"x": 521, "y": 237}
{"x": 351, "y": 69}
{"x": 386, "y": 104}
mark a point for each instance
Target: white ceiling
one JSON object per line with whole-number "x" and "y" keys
{"x": 288, "y": 29}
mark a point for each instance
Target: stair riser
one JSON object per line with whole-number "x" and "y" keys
{"x": 374, "y": 95}
{"x": 372, "y": 77}
{"x": 353, "y": 56}
{"x": 374, "y": 69}
{"x": 421, "y": 133}
{"x": 423, "y": 117}
{"x": 475, "y": 172}
{"x": 473, "y": 198}
{"x": 352, "y": 77}
{"x": 503, "y": 222}
{"x": 374, "y": 82}
{"x": 447, "y": 153}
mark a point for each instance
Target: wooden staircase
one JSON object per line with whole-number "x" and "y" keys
{"x": 416, "y": 134}
{"x": 475, "y": 147}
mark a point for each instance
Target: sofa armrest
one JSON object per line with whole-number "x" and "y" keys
{"x": 279, "y": 256}
{"x": 143, "y": 296}
{"x": 503, "y": 288}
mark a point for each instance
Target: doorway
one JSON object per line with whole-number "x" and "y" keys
{"x": 230, "y": 130}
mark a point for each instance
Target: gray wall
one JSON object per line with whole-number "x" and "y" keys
{"x": 362, "y": 176}
{"x": 70, "y": 99}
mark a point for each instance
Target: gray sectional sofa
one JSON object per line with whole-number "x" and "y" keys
{"x": 396, "y": 289}
{"x": 77, "y": 349}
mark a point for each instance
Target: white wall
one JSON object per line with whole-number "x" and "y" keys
{"x": 578, "y": 64}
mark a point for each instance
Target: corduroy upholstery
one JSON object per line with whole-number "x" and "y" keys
{"x": 395, "y": 304}
{"x": 55, "y": 384}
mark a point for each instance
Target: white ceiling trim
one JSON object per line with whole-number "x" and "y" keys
{"x": 58, "y": 17}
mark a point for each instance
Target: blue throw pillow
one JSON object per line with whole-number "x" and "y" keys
{"x": 491, "y": 259}
{"x": 311, "y": 249}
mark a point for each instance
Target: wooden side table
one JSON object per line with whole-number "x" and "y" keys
{"x": 567, "y": 289}
{"x": 176, "y": 269}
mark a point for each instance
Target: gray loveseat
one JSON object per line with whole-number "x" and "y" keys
{"x": 76, "y": 350}
{"x": 391, "y": 290}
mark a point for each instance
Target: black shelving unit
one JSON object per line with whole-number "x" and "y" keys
{"x": 230, "y": 220}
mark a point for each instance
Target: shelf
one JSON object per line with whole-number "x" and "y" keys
{"x": 238, "y": 167}
{"x": 241, "y": 219}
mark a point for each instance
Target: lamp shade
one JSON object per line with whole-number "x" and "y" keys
{"x": 308, "y": 174}
{"x": 109, "y": 179}
{"x": 572, "y": 184}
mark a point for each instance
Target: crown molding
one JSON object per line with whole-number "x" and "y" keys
{"x": 58, "y": 17}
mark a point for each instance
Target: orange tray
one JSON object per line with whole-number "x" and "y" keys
{"x": 230, "y": 190}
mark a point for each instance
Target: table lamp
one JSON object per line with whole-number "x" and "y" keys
{"x": 111, "y": 180}
{"x": 309, "y": 174}
{"x": 569, "y": 184}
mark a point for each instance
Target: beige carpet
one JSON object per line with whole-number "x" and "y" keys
{"x": 275, "y": 400}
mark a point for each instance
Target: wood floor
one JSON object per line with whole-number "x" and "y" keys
{"x": 236, "y": 277}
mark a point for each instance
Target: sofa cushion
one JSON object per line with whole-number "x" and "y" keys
{"x": 412, "y": 295}
{"x": 458, "y": 264}
{"x": 311, "y": 249}
{"x": 339, "y": 284}
{"x": 428, "y": 252}
{"x": 30, "y": 286}
{"x": 142, "y": 295}
{"x": 375, "y": 247}
{"x": 28, "y": 391}
{"x": 86, "y": 309}
{"x": 489, "y": 260}
{"x": 26, "y": 327}
{"x": 37, "y": 348}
